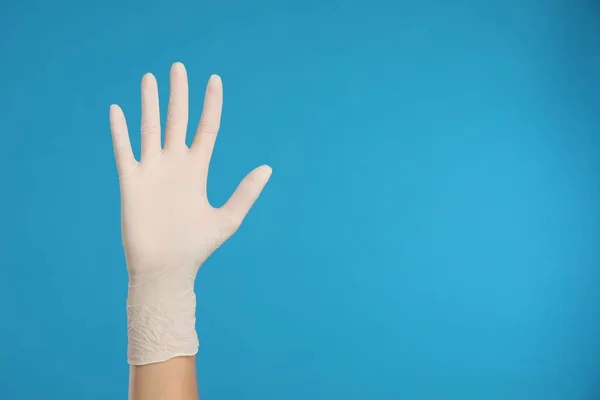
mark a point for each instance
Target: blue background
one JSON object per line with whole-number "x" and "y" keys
{"x": 431, "y": 230}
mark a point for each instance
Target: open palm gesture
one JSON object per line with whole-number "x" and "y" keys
{"x": 167, "y": 221}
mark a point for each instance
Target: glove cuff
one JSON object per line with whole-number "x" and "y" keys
{"x": 161, "y": 320}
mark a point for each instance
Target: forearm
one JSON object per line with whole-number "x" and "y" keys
{"x": 174, "y": 379}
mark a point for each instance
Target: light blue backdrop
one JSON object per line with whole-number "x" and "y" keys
{"x": 431, "y": 230}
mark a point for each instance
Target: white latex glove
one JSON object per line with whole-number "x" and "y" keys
{"x": 169, "y": 228}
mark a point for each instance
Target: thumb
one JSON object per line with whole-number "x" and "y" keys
{"x": 246, "y": 193}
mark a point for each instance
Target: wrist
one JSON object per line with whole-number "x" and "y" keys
{"x": 161, "y": 319}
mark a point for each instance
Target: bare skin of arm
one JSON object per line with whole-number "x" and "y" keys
{"x": 169, "y": 380}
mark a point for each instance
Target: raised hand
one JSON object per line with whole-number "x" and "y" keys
{"x": 169, "y": 227}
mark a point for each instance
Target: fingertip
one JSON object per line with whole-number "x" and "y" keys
{"x": 214, "y": 84}
{"x": 114, "y": 109}
{"x": 148, "y": 77}
{"x": 178, "y": 66}
{"x": 262, "y": 174}
{"x": 268, "y": 170}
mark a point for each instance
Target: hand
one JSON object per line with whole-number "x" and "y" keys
{"x": 169, "y": 227}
